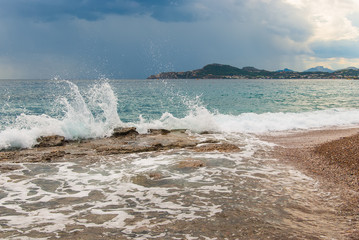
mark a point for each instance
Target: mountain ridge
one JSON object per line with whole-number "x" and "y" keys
{"x": 223, "y": 71}
{"x": 319, "y": 69}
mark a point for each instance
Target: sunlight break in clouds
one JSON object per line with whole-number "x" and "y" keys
{"x": 330, "y": 18}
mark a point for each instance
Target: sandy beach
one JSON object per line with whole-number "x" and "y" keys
{"x": 329, "y": 156}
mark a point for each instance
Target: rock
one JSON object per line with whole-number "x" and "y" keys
{"x": 5, "y": 156}
{"x": 206, "y": 132}
{"x": 120, "y": 132}
{"x": 224, "y": 147}
{"x": 50, "y": 141}
{"x": 210, "y": 141}
{"x": 159, "y": 131}
{"x": 191, "y": 164}
{"x": 8, "y": 168}
{"x": 153, "y": 179}
{"x": 155, "y": 175}
{"x": 52, "y": 155}
{"x": 141, "y": 180}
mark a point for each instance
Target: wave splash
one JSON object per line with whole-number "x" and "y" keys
{"x": 94, "y": 114}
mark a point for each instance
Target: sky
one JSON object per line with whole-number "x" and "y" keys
{"x": 136, "y": 38}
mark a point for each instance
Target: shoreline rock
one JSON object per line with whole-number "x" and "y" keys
{"x": 50, "y": 141}
{"x": 190, "y": 163}
{"x": 123, "y": 141}
{"x": 120, "y": 132}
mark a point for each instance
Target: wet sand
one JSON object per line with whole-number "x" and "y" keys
{"x": 239, "y": 196}
{"x": 330, "y": 156}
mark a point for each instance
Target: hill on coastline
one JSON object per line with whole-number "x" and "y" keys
{"x": 319, "y": 69}
{"x": 221, "y": 71}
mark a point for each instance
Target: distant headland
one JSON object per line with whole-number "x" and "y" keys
{"x": 221, "y": 71}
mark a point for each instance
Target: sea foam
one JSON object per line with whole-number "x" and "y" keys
{"x": 94, "y": 114}
{"x": 203, "y": 120}
{"x": 91, "y": 118}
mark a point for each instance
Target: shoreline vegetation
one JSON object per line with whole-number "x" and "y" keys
{"x": 220, "y": 71}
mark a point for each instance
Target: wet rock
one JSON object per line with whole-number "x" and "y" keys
{"x": 121, "y": 132}
{"x": 206, "y": 132}
{"x": 159, "y": 131}
{"x": 224, "y": 147}
{"x": 8, "y": 168}
{"x": 141, "y": 180}
{"x": 123, "y": 149}
{"x": 50, "y": 141}
{"x": 5, "y": 156}
{"x": 191, "y": 164}
{"x": 149, "y": 180}
{"x": 131, "y": 142}
{"x": 155, "y": 175}
{"x": 210, "y": 141}
{"x": 52, "y": 155}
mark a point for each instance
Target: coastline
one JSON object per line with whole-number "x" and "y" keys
{"x": 318, "y": 153}
{"x": 328, "y": 157}
{"x": 288, "y": 215}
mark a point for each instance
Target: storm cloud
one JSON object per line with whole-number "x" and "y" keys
{"x": 93, "y": 10}
{"x": 136, "y": 38}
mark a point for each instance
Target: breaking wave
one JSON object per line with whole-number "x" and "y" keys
{"x": 82, "y": 119}
{"x": 94, "y": 114}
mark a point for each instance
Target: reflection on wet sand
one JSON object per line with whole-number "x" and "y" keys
{"x": 172, "y": 185}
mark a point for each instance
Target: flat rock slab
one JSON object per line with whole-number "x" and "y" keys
{"x": 123, "y": 141}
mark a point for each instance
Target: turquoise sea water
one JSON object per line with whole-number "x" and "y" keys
{"x": 234, "y": 195}
{"x": 88, "y": 108}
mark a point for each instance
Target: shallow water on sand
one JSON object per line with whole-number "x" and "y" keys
{"x": 234, "y": 195}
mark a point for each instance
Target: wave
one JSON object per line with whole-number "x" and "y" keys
{"x": 94, "y": 115}
{"x": 202, "y": 120}
{"x": 94, "y": 118}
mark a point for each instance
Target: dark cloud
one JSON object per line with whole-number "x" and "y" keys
{"x": 91, "y": 10}
{"x": 137, "y": 38}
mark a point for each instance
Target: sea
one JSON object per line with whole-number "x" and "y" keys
{"x": 239, "y": 195}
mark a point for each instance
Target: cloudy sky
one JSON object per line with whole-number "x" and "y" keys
{"x": 137, "y": 38}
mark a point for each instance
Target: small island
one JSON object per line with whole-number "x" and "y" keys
{"x": 220, "y": 71}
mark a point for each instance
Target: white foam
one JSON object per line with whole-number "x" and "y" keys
{"x": 260, "y": 123}
{"x": 203, "y": 120}
{"x": 94, "y": 114}
{"x": 78, "y": 122}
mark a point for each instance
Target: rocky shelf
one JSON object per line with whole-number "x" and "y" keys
{"x": 123, "y": 141}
